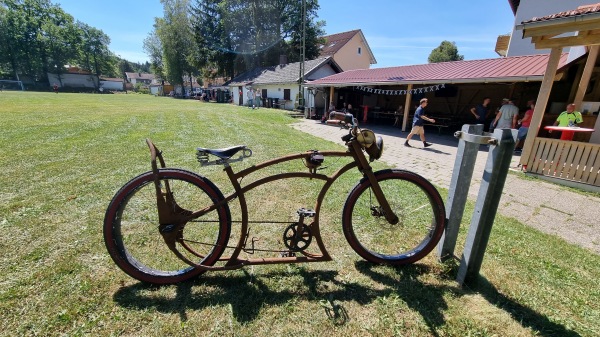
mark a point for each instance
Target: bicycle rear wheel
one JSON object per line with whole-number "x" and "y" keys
{"x": 131, "y": 227}
{"x": 417, "y": 204}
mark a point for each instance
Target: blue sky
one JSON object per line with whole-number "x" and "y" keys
{"x": 399, "y": 32}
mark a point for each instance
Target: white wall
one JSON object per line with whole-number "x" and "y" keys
{"x": 112, "y": 85}
{"x": 74, "y": 80}
{"x": 324, "y": 71}
{"x": 273, "y": 91}
{"x": 528, "y": 9}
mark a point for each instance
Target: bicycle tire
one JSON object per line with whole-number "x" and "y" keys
{"x": 417, "y": 203}
{"x": 131, "y": 232}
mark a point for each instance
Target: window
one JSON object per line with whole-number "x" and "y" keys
{"x": 359, "y": 51}
{"x": 286, "y": 94}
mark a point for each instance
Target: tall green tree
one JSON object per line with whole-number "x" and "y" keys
{"x": 11, "y": 30}
{"x": 238, "y": 35}
{"x": 154, "y": 49}
{"x": 94, "y": 54}
{"x": 446, "y": 51}
{"x": 37, "y": 37}
{"x": 60, "y": 41}
{"x": 176, "y": 36}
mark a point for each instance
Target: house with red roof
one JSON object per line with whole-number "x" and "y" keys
{"x": 383, "y": 92}
{"x": 349, "y": 50}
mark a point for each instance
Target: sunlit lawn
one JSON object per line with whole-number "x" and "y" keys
{"x": 65, "y": 155}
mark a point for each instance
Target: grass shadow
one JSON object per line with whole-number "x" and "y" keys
{"x": 246, "y": 294}
{"x": 426, "y": 299}
{"x": 523, "y": 314}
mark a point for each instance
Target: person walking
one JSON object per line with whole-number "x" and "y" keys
{"x": 258, "y": 98}
{"x": 250, "y": 95}
{"x": 507, "y": 117}
{"x": 418, "y": 121}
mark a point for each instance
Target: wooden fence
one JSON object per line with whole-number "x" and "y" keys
{"x": 574, "y": 161}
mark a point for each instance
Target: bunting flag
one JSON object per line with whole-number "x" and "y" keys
{"x": 430, "y": 88}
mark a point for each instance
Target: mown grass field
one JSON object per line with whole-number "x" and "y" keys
{"x": 64, "y": 156}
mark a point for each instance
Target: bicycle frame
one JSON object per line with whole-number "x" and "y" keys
{"x": 171, "y": 214}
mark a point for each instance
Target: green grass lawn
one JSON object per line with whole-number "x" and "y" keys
{"x": 64, "y": 156}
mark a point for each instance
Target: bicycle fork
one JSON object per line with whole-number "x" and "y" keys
{"x": 367, "y": 171}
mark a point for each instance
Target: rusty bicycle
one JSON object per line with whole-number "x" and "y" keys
{"x": 169, "y": 225}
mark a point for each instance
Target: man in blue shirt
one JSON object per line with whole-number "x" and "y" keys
{"x": 418, "y": 120}
{"x": 481, "y": 111}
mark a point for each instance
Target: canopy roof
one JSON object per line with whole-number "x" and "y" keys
{"x": 506, "y": 69}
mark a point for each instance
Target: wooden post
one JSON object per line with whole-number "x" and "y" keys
{"x": 490, "y": 191}
{"x": 331, "y": 92}
{"x": 585, "y": 77}
{"x": 459, "y": 189}
{"x": 407, "y": 107}
{"x": 540, "y": 105}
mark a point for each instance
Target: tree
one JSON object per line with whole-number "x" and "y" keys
{"x": 37, "y": 37}
{"x": 154, "y": 49}
{"x": 60, "y": 40}
{"x": 237, "y": 35}
{"x": 94, "y": 54}
{"x": 175, "y": 33}
{"x": 447, "y": 51}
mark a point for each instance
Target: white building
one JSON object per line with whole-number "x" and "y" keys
{"x": 280, "y": 83}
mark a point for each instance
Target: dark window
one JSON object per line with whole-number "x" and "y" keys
{"x": 359, "y": 51}
{"x": 286, "y": 94}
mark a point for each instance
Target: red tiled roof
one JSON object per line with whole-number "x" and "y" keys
{"x": 334, "y": 42}
{"x": 581, "y": 10}
{"x": 518, "y": 68}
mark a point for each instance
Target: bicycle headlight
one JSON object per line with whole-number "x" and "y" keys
{"x": 366, "y": 138}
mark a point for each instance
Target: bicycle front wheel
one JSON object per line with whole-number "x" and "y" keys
{"x": 131, "y": 227}
{"x": 413, "y": 199}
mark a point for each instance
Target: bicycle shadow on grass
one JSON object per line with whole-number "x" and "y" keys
{"x": 247, "y": 294}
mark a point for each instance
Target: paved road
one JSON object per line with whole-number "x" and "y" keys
{"x": 548, "y": 207}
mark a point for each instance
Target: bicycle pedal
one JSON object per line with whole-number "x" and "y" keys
{"x": 307, "y": 213}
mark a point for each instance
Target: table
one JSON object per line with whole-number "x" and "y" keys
{"x": 568, "y": 131}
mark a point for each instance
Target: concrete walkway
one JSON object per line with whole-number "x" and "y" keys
{"x": 551, "y": 208}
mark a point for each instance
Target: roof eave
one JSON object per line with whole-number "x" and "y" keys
{"x": 532, "y": 78}
{"x": 553, "y": 22}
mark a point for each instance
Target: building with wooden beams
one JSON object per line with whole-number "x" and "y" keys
{"x": 572, "y": 162}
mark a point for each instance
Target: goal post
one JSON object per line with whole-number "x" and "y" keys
{"x": 11, "y": 85}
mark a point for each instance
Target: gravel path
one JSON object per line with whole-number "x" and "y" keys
{"x": 548, "y": 207}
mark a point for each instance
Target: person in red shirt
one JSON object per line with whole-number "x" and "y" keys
{"x": 525, "y": 121}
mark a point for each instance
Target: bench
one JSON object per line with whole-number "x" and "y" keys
{"x": 439, "y": 126}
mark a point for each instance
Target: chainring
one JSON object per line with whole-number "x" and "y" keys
{"x": 297, "y": 237}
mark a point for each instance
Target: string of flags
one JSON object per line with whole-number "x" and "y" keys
{"x": 400, "y": 92}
